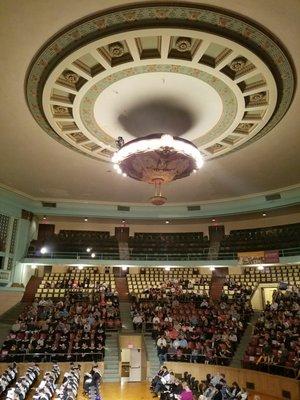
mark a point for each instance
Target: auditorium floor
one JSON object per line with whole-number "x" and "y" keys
{"x": 137, "y": 391}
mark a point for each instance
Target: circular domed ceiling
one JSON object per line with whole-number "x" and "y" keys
{"x": 207, "y": 76}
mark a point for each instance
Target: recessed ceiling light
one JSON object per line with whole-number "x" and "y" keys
{"x": 85, "y": 220}
{"x": 213, "y": 220}
{"x": 44, "y": 250}
{"x": 44, "y": 217}
{"x": 167, "y": 222}
{"x": 264, "y": 215}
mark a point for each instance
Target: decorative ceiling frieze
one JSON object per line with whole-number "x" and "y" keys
{"x": 243, "y": 65}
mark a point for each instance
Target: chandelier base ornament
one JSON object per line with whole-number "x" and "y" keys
{"x": 157, "y": 159}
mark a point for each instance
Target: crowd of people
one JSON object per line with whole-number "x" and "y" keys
{"x": 75, "y": 284}
{"x": 47, "y": 386}
{"x": 69, "y": 388}
{"x": 275, "y": 345}
{"x": 168, "y": 387}
{"x": 190, "y": 327}
{"x": 23, "y": 384}
{"x": 8, "y": 377}
{"x": 68, "y": 329}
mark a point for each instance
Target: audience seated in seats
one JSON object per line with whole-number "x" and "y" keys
{"x": 46, "y": 388}
{"x": 91, "y": 383}
{"x": 23, "y": 384}
{"x": 275, "y": 345}
{"x": 75, "y": 324}
{"x": 8, "y": 378}
{"x": 69, "y": 388}
{"x": 189, "y": 327}
{"x": 165, "y": 385}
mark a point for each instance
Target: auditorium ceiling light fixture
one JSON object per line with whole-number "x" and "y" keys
{"x": 93, "y": 255}
{"x": 85, "y": 220}
{"x": 157, "y": 159}
{"x": 44, "y": 250}
{"x": 88, "y": 250}
{"x": 264, "y": 215}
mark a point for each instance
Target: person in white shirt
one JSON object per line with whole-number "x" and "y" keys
{"x": 161, "y": 342}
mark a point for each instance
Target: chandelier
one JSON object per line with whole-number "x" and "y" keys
{"x": 157, "y": 159}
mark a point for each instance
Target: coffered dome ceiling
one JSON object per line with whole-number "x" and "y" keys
{"x": 76, "y": 75}
{"x": 201, "y": 74}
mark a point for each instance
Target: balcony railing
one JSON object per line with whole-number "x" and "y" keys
{"x": 151, "y": 256}
{"x": 51, "y": 357}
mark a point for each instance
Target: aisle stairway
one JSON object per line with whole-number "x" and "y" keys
{"x": 240, "y": 351}
{"x": 122, "y": 288}
{"x": 8, "y": 318}
{"x": 152, "y": 355}
{"x": 126, "y": 316}
{"x": 216, "y": 287}
{"x": 31, "y": 289}
{"x": 111, "y": 359}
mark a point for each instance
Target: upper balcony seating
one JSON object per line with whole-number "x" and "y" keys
{"x": 87, "y": 281}
{"x": 168, "y": 243}
{"x": 67, "y": 241}
{"x": 155, "y": 279}
{"x": 270, "y": 238}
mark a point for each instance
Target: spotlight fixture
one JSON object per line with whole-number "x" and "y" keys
{"x": 167, "y": 221}
{"x": 264, "y": 215}
{"x": 88, "y": 249}
{"x": 213, "y": 220}
{"x": 85, "y": 219}
{"x": 93, "y": 255}
{"x": 44, "y": 250}
{"x": 44, "y": 217}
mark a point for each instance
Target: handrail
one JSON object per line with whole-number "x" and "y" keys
{"x": 274, "y": 369}
{"x": 49, "y": 357}
{"x": 151, "y": 256}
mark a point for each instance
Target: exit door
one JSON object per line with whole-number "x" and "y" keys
{"x": 135, "y": 370}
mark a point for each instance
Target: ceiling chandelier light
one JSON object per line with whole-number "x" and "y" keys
{"x": 157, "y": 159}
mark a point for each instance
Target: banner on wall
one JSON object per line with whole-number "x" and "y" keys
{"x": 251, "y": 257}
{"x": 272, "y": 256}
{"x": 258, "y": 257}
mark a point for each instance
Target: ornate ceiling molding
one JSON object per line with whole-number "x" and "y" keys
{"x": 247, "y": 68}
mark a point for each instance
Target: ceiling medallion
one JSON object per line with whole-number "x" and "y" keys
{"x": 183, "y": 44}
{"x": 157, "y": 159}
{"x": 79, "y": 86}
